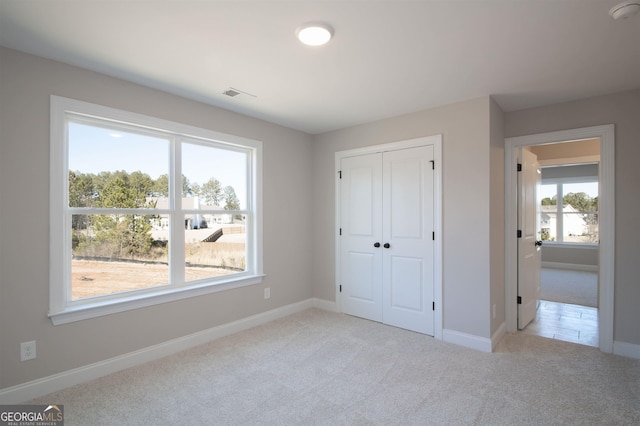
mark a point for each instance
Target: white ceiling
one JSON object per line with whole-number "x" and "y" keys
{"x": 387, "y": 57}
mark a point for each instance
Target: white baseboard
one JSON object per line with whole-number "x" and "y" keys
{"x": 467, "y": 340}
{"x": 325, "y": 305}
{"x": 570, "y": 266}
{"x": 33, "y": 389}
{"x": 626, "y": 349}
{"x": 502, "y": 329}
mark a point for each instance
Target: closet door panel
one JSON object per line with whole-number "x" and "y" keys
{"x": 408, "y": 224}
{"x": 361, "y": 228}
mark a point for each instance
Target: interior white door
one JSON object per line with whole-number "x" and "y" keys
{"x": 529, "y": 243}
{"x": 408, "y": 241}
{"x": 361, "y": 232}
{"x": 386, "y": 242}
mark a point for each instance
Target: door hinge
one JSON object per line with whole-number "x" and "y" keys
{"x": 340, "y": 288}
{"x": 340, "y": 174}
{"x": 340, "y": 231}
{"x": 433, "y": 306}
{"x": 433, "y": 236}
{"x": 519, "y": 300}
{"x": 433, "y": 164}
{"x": 519, "y": 233}
{"x": 519, "y": 167}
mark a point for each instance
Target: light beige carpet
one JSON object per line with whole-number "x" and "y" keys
{"x": 321, "y": 368}
{"x": 566, "y": 286}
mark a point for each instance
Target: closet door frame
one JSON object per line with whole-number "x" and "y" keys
{"x": 436, "y": 142}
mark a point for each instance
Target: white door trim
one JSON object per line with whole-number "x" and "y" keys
{"x": 606, "y": 255}
{"x": 436, "y": 141}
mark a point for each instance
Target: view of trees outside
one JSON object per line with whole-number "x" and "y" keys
{"x": 121, "y": 251}
{"x": 579, "y": 207}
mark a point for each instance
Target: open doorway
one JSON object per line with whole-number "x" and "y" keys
{"x": 567, "y": 206}
{"x": 605, "y": 251}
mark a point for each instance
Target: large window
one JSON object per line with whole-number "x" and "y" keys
{"x": 569, "y": 210}
{"x": 144, "y": 211}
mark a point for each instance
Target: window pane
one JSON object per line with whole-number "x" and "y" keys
{"x": 580, "y": 217}
{"x": 217, "y": 249}
{"x": 115, "y": 168}
{"x": 581, "y": 196}
{"x": 115, "y": 253}
{"x": 548, "y": 197}
{"x": 217, "y": 176}
{"x": 548, "y": 225}
{"x": 592, "y": 228}
{"x": 580, "y": 227}
{"x": 548, "y": 194}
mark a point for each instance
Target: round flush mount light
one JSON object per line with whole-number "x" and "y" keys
{"x": 625, "y": 9}
{"x": 314, "y": 33}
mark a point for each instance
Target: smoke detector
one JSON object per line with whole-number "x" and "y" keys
{"x": 625, "y": 9}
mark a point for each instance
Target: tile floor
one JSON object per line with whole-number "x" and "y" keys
{"x": 562, "y": 321}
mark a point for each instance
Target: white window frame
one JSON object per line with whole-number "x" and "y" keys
{"x": 62, "y": 309}
{"x": 560, "y": 182}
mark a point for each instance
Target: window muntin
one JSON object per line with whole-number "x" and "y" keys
{"x": 131, "y": 193}
{"x": 569, "y": 210}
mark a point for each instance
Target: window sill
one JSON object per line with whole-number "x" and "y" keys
{"x": 570, "y": 245}
{"x": 102, "y": 308}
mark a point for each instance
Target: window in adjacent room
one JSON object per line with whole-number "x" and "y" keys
{"x": 144, "y": 211}
{"x": 569, "y": 205}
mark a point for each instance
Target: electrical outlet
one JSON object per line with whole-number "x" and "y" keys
{"x": 267, "y": 292}
{"x": 27, "y": 350}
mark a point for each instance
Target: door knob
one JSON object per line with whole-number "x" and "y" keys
{"x": 376, "y": 245}
{"x": 538, "y": 243}
{"x": 387, "y": 245}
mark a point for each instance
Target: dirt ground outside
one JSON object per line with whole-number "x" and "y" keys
{"x": 91, "y": 278}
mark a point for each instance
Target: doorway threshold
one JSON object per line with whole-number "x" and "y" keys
{"x": 566, "y": 322}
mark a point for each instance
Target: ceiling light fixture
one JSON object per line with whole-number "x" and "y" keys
{"x": 314, "y": 33}
{"x": 625, "y": 9}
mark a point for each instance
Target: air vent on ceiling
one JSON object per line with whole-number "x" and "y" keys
{"x": 232, "y": 93}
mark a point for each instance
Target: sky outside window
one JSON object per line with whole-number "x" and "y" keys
{"x": 94, "y": 149}
{"x": 550, "y": 190}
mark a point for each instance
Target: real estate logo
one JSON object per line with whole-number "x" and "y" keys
{"x": 31, "y": 415}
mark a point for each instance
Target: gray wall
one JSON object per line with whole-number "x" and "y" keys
{"x": 622, "y": 110}
{"x": 577, "y": 170}
{"x": 26, "y": 84}
{"x": 587, "y": 256}
{"x": 467, "y": 180}
{"x": 497, "y": 206}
